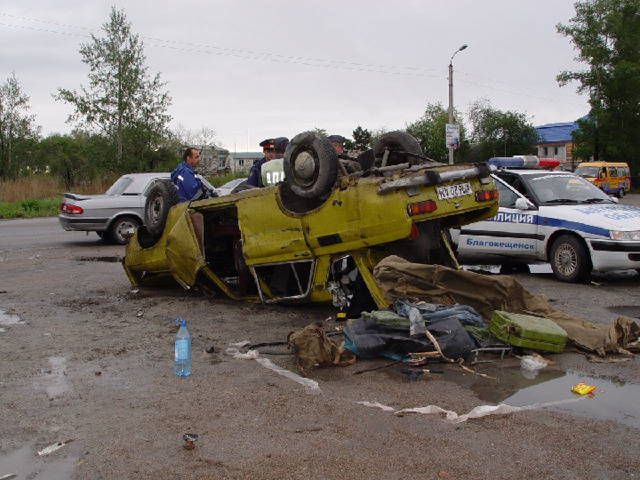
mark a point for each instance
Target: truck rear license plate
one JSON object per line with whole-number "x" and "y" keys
{"x": 453, "y": 191}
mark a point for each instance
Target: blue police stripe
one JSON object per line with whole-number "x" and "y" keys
{"x": 580, "y": 227}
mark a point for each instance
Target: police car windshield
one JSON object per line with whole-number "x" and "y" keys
{"x": 554, "y": 189}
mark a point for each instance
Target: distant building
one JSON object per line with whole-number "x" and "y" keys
{"x": 556, "y": 142}
{"x": 241, "y": 162}
{"x": 213, "y": 160}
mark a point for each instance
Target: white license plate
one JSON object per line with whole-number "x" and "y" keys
{"x": 454, "y": 191}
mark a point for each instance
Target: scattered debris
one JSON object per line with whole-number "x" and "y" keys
{"x": 431, "y": 370}
{"x": 534, "y": 362}
{"x": 310, "y": 385}
{"x": 52, "y": 448}
{"x": 582, "y": 388}
{"x": 189, "y": 440}
{"x": 411, "y": 374}
{"x": 467, "y": 369}
{"x": 596, "y": 359}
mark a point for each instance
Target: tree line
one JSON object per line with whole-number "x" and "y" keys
{"x": 121, "y": 120}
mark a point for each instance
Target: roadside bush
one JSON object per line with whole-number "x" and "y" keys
{"x": 30, "y": 208}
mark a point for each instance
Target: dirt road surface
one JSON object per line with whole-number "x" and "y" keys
{"x": 88, "y": 361}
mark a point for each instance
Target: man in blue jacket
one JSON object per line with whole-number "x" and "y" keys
{"x": 184, "y": 176}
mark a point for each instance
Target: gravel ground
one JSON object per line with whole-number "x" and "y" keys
{"x": 87, "y": 358}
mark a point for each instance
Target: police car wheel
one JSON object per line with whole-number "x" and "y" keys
{"x": 162, "y": 196}
{"x": 310, "y": 165}
{"x": 570, "y": 259}
{"x": 399, "y": 144}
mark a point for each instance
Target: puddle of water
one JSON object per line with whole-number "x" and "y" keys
{"x": 27, "y": 465}
{"x": 613, "y": 400}
{"x": 8, "y": 319}
{"x": 55, "y": 379}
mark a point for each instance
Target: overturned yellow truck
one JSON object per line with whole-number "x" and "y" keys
{"x": 306, "y": 238}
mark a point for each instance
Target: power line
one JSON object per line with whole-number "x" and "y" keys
{"x": 243, "y": 54}
{"x": 519, "y": 94}
{"x": 188, "y": 47}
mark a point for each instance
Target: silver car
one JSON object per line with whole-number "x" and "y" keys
{"x": 114, "y": 214}
{"x": 233, "y": 186}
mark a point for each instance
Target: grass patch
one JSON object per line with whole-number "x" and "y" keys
{"x": 218, "y": 181}
{"x": 31, "y": 208}
{"x": 40, "y": 196}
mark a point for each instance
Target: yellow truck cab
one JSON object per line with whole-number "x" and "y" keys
{"x": 287, "y": 242}
{"x": 613, "y": 178}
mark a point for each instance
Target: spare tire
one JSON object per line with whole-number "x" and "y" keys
{"x": 162, "y": 196}
{"x": 310, "y": 165}
{"x": 399, "y": 144}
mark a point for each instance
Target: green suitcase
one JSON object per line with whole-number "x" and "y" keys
{"x": 527, "y": 331}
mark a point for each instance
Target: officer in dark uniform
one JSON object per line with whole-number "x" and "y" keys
{"x": 269, "y": 150}
{"x": 337, "y": 141}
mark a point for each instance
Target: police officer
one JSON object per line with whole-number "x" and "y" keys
{"x": 269, "y": 151}
{"x": 184, "y": 176}
{"x": 281, "y": 145}
{"x": 337, "y": 141}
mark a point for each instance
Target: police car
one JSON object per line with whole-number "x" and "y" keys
{"x": 556, "y": 217}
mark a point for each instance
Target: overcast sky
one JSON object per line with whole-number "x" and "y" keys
{"x": 252, "y": 69}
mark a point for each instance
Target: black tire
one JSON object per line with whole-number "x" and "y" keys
{"x": 399, "y": 145}
{"x": 146, "y": 239}
{"x": 122, "y": 229}
{"x": 570, "y": 260}
{"x": 621, "y": 193}
{"x": 162, "y": 196}
{"x": 310, "y": 165}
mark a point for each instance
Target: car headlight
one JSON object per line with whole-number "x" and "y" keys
{"x": 619, "y": 235}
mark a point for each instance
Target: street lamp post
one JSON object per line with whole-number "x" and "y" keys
{"x": 451, "y": 148}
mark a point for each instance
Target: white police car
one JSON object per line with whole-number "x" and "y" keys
{"x": 556, "y": 217}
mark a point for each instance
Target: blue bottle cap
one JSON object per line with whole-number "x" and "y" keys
{"x": 183, "y": 323}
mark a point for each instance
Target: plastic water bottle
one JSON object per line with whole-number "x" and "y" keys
{"x": 182, "y": 362}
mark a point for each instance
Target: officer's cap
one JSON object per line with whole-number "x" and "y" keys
{"x": 336, "y": 139}
{"x": 268, "y": 143}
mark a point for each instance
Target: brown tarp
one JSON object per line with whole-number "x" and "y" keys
{"x": 437, "y": 284}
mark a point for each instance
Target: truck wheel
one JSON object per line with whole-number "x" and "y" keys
{"x": 621, "y": 193}
{"x": 398, "y": 144}
{"x": 310, "y": 165}
{"x": 570, "y": 259}
{"x": 146, "y": 239}
{"x": 162, "y": 196}
{"x": 122, "y": 228}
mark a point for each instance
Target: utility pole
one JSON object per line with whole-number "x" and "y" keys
{"x": 452, "y": 148}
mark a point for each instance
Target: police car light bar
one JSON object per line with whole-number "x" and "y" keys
{"x": 523, "y": 161}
